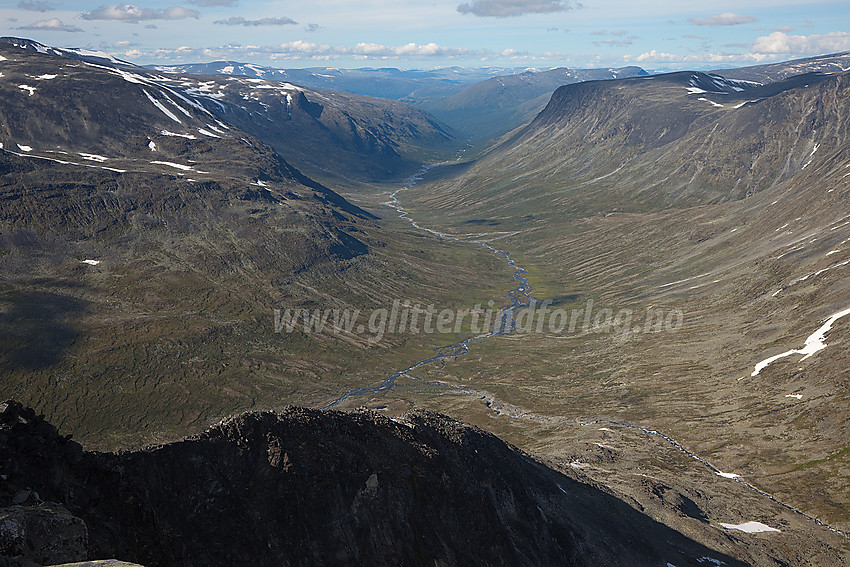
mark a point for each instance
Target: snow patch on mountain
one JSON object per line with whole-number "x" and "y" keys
{"x": 174, "y": 165}
{"x": 89, "y": 53}
{"x": 177, "y": 106}
{"x": 710, "y": 101}
{"x": 29, "y": 155}
{"x": 700, "y": 83}
{"x": 814, "y": 344}
{"x": 161, "y": 107}
{"x": 93, "y": 157}
{"x": 187, "y": 136}
{"x": 750, "y": 527}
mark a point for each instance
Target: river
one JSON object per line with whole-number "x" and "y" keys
{"x": 518, "y": 298}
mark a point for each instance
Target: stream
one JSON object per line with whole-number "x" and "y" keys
{"x": 518, "y": 297}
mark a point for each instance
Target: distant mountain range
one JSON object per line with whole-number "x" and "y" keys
{"x": 397, "y": 84}
{"x": 480, "y": 104}
{"x": 488, "y": 109}
{"x": 332, "y": 136}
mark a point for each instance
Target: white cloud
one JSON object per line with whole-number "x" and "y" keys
{"x": 407, "y": 50}
{"x": 655, "y": 57}
{"x": 660, "y": 57}
{"x": 302, "y": 46}
{"x": 132, "y": 13}
{"x": 53, "y": 24}
{"x": 781, "y": 43}
{"x": 240, "y": 21}
{"x": 724, "y": 19}
{"x": 512, "y": 8}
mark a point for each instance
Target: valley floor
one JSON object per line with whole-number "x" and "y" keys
{"x": 691, "y": 423}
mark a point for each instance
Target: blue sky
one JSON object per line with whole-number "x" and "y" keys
{"x": 440, "y": 33}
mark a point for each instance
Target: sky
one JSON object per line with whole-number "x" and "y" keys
{"x": 655, "y": 35}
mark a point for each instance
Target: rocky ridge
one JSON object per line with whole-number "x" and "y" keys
{"x": 310, "y": 487}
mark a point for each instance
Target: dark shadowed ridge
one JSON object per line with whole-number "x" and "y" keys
{"x": 306, "y": 487}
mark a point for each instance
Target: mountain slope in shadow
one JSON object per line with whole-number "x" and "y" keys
{"x": 328, "y": 488}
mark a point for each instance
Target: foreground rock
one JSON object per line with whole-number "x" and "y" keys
{"x": 310, "y": 487}
{"x": 44, "y": 533}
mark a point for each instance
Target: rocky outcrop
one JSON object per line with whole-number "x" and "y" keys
{"x": 43, "y": 532}
{"x": 306, "y": 487}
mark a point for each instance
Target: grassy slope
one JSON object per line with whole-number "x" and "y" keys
{"x": 174, "y": 329}
{"x": 677, "y": 211}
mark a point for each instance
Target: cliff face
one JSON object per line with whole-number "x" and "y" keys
{"x": 306, "y": 487}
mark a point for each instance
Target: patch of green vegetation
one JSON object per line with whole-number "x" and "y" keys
{"x": 838, "y": 455}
